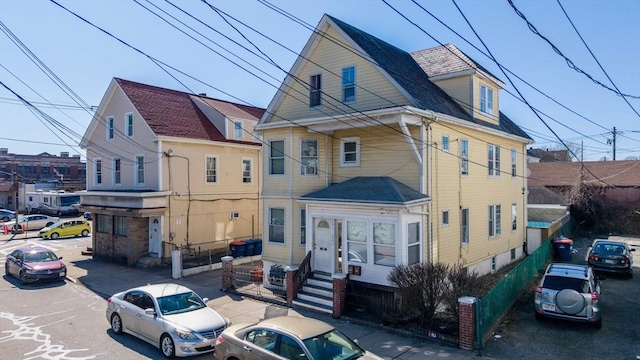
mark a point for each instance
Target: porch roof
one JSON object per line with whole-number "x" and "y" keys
{"x": 369, "y": 189}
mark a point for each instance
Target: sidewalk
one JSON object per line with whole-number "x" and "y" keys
{"x": 105, "y": 278}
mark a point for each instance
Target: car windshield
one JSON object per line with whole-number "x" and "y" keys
{"x": 179, "y": 303}
{"x": 333, "y": 345}
{"x": 561, "y": 283}
{"x": 40, "y": 256}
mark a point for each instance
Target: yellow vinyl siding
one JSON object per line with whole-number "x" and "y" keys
{"x": 333, "y": 59}
{"x": 477, "y": 82}
{"x": 275, "y": 185}
{"x": 460, "y": 89}
{"x": 276, "y": 252}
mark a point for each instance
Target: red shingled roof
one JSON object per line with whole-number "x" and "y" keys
{"x": 173, "y": 113}
{"x": 614, "y": 173}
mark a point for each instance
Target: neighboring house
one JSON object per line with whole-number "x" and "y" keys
{"x": 620, "y": 180}
{"x": 169, "y": 167}
{"x": 375, "y": 158}
{"x": 540, "y": 155}
{"x": 8, "y": 195}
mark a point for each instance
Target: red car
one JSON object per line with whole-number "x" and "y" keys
{"x": 35, "y": 263}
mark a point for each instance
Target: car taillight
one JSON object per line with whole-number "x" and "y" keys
{"x": 594, "y": 296}
{"x": 219, "y": 340}
{"x": 539, "y": 289}
{"x": 593, "y": 257}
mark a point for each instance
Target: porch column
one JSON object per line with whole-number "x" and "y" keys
{"x": 339, "y": 294}
{"x": 466, "y": 321}
{"x": 290, "y": 281}
{"x": 227, "y": 273}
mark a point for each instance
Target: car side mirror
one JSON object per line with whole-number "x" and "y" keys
{"x": 150, "y": 311}
{"x": 205, "y": 300}
{"x": 60, "y": 258}
{"x": 632, "y": 249}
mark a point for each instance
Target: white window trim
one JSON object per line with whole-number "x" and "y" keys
{"x": 497, "y": 221}
{"x": 303, "y": 216}
{"x": 321, "y": 80}
{"x": 462, "y": 240}
{"x": 464, "y": 158}
{"x": 95, "y": 172}
{"x": 488, "y": 99}
{"x": 135, "y": 170}
{"x": 237, "y": 133}
{"x": 111, "y": 127}
{"x": 514, "y": 163}
{"x": 514, "y": 215}
{"x": 216, "y": 169}
{"x": 250, "y": 170}
{"x": 317, "y": 158}
{"x": 284, "y": 227}
{"x": 284, "y": 157}
{"x": 358, "y": 153}
{"x": 495, "y": 160}
{"x": 126, "y": 124}
{"x": 448, "y": 144}
{"x": 448, "y": 218}
{"x": 113, "y": 171}
{"x": 342, "y": 86}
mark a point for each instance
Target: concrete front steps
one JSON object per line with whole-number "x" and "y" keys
{"x": 316, "y": 293}
{"x": 150, "y": 260}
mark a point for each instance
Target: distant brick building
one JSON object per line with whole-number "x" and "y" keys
{"x": 67, "y": 172}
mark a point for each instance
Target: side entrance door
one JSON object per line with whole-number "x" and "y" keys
{"x": 323, "y": 245}
{"x": 155, "y": 238}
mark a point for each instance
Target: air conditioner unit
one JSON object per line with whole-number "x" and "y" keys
{"x": 309, "y": 170}
{"x": 234, "y": 215}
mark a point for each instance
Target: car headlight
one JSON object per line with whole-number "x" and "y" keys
{"x": 186, "y": 335}
{"x": 31, "y": 271}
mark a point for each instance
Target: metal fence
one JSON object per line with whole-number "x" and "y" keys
{"x": 370, "y": 304}
{"x": 498, "y": 300}
{"x": 248, "y": 280}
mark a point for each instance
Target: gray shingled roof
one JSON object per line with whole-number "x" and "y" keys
{"x": 364, "y": 189}
{"x": 446, "y": 59}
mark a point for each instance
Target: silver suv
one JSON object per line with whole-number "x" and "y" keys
{"x": 570, "y": 292}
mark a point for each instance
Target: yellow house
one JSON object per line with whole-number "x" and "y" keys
{"x": 375, "y": 157}
{"x": 168, "y": 169}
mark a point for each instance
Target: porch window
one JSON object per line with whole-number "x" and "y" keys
{"x": 309, "y": 157}
{"x": 276, "y": 225}
{"x": 384, "y": 244}
{"x": 120, "y": 225}
{"x": 357, "y": 241}
{"x": 413, "y": 242}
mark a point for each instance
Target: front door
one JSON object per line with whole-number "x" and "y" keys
{"x": 155, "y": 238}
{"x": 323, "y": 245}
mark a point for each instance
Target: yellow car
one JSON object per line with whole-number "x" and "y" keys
{"x": 66, "y": 228}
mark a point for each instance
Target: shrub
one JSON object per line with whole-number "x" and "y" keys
{"x": 462, "y": 282}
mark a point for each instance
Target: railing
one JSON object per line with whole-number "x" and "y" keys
{"x": 303, "y": 272}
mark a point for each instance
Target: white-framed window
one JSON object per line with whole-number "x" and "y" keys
{"x": 464, "y": 157}
{"x": 413, "y": 243}
{"x": 493, "y": 164}
{"x": 139, "y": 164}
{"x": 445, "y": 218}
{"x": 246, "y": 171}
{"x": 315, "y": 90}
{"x": 494, "y": 264}
{"x": 350, "y": 152}
{"x": 357, "y": 241}
{"x": 110, "y": 127}
{"x": 97, "y": 177}
{"x": 128, "y": 123}
{"x": 237, "y": 129}
{"x": 513, "y": 163}
{"x": 276, "y": 157}
{"x": 349, "y": 84}
{"x": 514, "y": 217}
{"x": 309, "y": 156}
{"x": 211, "y": 169}
{"x": 276, "y": 225}
{"x": 120, "y": 225}
{"x": 494, "y": 220}
{"x": 464, "y": 226}
{"x": 303, "y": 226}
{"x": 116, "y": 172}
{"x": 445, "y": 143}
{"x": 384, "y": 244}
{"x": 486, "y": 100}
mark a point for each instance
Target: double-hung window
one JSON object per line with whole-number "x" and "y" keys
{"x": 303, "y": 226}
{"x": 413, "y": 243}
{"x": 349, "y": 84}
{"x": 384, "y": 244}
{"x": 309, "y": 157}
{"x": 514, "y": 218}
{"x": 486, "y": 100}
{"x": 464, "y": 226}
{"x": 445, "y": 143}
{"x": 246, "y": 171}
{"x": 350, "y": 152}
{"x": 211, "y": 163}
{"x": 494, "y": 220}
{"x": 315, "y": 90}
{"x": 357, "y": 241}
{"x": 445, "y": 218}
{"x": 493, "y": 164}
{"x": 129, "y": 124}
{"x": 116, "y": 172}
{"x": 276, "y": 225}
{"x": 98, "y": 172}
{"x": 139, "y": 164}
{"x": 110, "y": 127}
{"x": 276, "y": 157}
{"x": 464, "y": 157}
{"x": 513, "y": 163}
{"x": 237, "y": 130}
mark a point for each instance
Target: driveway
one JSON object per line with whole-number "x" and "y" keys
{"x": 520, "y": 336}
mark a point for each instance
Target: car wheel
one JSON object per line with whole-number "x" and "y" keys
{"x": 116, "y": 324}
{"x": 55, "y": 235}
{"x": 85, "y": 232}
{"x": 6, "y": 269}
{"x": 22, "y": 278}
{"x": 167, "y": 346}
{"x": 598, "y": 324}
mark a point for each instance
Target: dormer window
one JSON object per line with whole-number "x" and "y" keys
{"x": 486, "y": 100}
{"x": 237, "y": 130}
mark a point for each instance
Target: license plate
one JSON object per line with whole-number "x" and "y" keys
{"x": 549, "y": 307}
{"x": 609, "y": 261}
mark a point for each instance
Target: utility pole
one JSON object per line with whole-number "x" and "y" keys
{"x": 614, "y": 143}
{"x": 16, "y": 184}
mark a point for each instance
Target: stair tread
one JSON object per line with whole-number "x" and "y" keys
{"x": 310, "y": 303}
{"x": 314, "y": 295}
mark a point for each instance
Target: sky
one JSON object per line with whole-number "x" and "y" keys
{"x": 55, "y": 66}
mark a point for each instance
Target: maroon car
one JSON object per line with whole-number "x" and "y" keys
{"x": 35, "y": 263}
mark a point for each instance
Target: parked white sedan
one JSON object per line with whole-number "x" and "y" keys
{"x": 31, "y": 222}
{"x": 169, "y": 316}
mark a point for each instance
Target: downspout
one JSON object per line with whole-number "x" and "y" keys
{"x": 429, "y": 179}
{"x": 291, "y": 212}
{"x": 525, "y": 192}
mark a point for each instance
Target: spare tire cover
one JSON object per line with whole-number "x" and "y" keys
{"x": 570, "y": 301}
